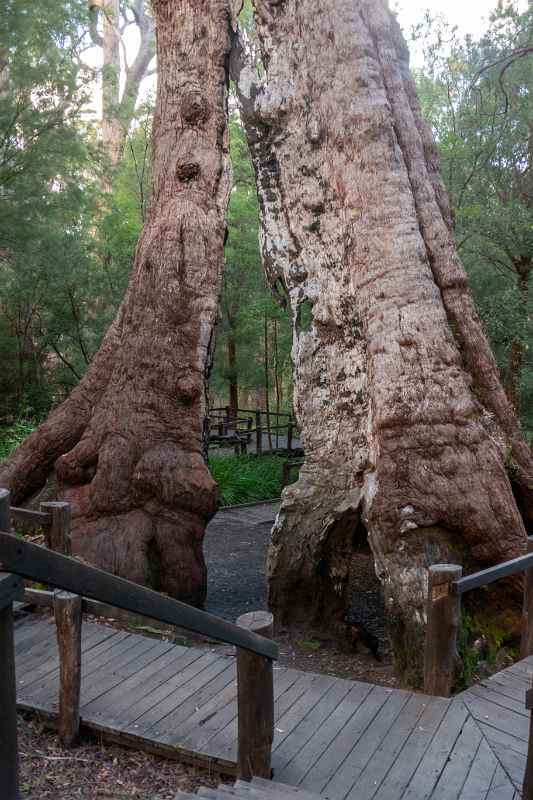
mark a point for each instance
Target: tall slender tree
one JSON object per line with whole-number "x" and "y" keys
{"x": 408, "y": 434}
{"x": 128, "y": 445}
{"x": 119, "y": 101}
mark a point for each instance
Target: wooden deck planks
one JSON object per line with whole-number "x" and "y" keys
{"x": 337, "y": 771}
{"x": 430, "y": 768}
{"x": 296, "y": 769}
{"x": 349, "y": 740}
{"x": 311, "y": 721}
{"x": 455, "y": 773}
{"x": 118, "y": 700}
{"x": 481, "y": 773}
{"x": 487, "y": 712}
{"x": 185, "y": 687}
{"x": 224, "y": 740}
{"x": 415, "y": 746}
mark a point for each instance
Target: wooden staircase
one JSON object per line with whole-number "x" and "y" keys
{"x": 257, "y": 789}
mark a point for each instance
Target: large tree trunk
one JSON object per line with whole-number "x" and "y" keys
{"x": 405, "y": 425}
{"x": 130, "y": 441}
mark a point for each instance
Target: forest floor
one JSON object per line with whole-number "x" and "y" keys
{"x": 94, "y": 771}
{"x": 236, "y": 545}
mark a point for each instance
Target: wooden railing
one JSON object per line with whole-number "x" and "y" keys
{"x": 237, "y": 428}
{"x": 80, "y": 583}
{"x": 445, "y": 588}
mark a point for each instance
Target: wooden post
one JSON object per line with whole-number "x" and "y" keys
{"x": 527, "y": 789}
{"x": 8, "y": 696}
{"x": 67, "y": 610}
{"x": 258, "y": 433}
{"x": 255, "y": 690}
{"x": 443, "y": 618}
{"x": 5, "y": 514}
{"x": 57, "y": 536}
{"x": 526, "y": 644}
{"x": 249, "y": 428}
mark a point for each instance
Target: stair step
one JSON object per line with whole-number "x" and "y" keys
{"x": 257, "y": 789}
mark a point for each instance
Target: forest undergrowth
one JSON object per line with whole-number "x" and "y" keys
{"x": 241, "y": 479}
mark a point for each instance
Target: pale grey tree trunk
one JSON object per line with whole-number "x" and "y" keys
{"x": 408, "y": 435}
{"x": 118, "y": 104}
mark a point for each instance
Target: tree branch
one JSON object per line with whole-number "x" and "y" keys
{"x": 93, "y": 26}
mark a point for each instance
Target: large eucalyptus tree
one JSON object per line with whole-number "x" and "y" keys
{"x": 127, "y": 446}
{"x": 409, "y": 437}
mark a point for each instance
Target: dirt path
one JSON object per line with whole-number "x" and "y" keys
{"x": 235, "y": 547}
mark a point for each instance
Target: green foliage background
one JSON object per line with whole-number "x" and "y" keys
{"x": 66, "y": 248}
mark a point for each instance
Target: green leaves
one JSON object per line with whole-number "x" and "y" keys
{"x": 247, "y": 479}
{"x": 246, "y": 298}
{"x": 478, "y": 97}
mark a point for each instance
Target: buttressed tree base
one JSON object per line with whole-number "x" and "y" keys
{"x": 128, "y": 446}
{"x": 407, "y": 431}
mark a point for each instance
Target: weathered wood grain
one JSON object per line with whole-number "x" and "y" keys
{"x": 343, "y": 738}
{"x": 443, "y": 613}
{"x": 9, "y": 781}
{"x": 255, "y": 700}
{"x": 67, "y": 609}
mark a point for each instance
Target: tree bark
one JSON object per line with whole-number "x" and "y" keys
{"x": 129, "y": 444}
{"x": 515, "y": 362}
{"x": 404, "y": 422}
{"x": 267, "y": 381}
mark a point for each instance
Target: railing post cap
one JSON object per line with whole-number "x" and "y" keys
{"x": 4, "y": 493}
{"x": 446, "y": 572}
{"x": 257, "y": 622}
{"x": 55, "y": 504}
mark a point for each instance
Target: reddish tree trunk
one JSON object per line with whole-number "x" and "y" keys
{"x": 405, "y": 425}
{"x": 128, "y": 445}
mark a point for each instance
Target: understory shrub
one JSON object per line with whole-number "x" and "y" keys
{"x": 246, "y": 479}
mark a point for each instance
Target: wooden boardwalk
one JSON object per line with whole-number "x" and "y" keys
{"x": 340, "y": 738}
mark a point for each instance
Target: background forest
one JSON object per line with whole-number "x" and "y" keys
{"x": 73, "y": 201}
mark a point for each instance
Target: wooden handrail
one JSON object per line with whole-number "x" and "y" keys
{"x": 486, "y": 576}
{"x": 255, "y": 653}
{"x": 25, "y": 515}
{"x": 445, "y": 587}
{"x": 251, "y": 411}
{"x": 37, "y": 563}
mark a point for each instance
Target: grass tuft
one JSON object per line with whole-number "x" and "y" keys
{"x": 247, "y": 479}
{"x": 11, "y": 437}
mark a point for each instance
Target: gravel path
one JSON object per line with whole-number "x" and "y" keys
{"x": 235, "y": 545}
{"x": 235, "y": 548}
